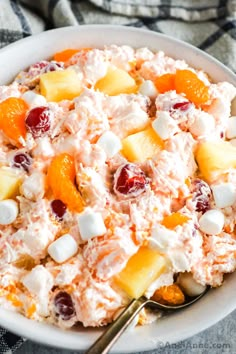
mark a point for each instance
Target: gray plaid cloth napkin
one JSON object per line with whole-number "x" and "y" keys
{"x": 209, "y": 25}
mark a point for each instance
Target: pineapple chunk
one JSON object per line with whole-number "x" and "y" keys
{"x": 9, "y": 183}
{"x": 60, "y": 85}
{"x": 214, "y": 158}
{"x": 141, "y": 270}
{"x": 115, "y": 82}
{"x": 141, "y": 146}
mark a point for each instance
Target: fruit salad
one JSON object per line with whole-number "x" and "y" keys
{"x": 117, "y": 180}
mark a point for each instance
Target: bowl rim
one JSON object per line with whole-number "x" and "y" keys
{"x": 83, "y": 28}
{"x": 38, "y": 332}
{"x": 120, "y": 28}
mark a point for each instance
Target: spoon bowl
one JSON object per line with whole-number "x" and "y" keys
{"x": 105, "y": 342}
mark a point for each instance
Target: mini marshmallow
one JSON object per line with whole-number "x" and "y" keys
{"x": 161, "y": 238}
{"x": 147, "y": 88}
{"x": 179, "y": 260}
{"x": 164, "y": 125}
{"x": 224, "y": 194}
{"x": 189, "y": 285}
{"x": 44, "y": 147}
{"x": 231, "y": 129}
{"x": 33, "y": 99}
{"x": 63, "y": 248}
{"x": 110, "y": 143}
{"x": 203, "y": 124}
{"x": 8, "y": 211}
{"x": 212, "y": 222}
{"x": 33, "y": 186}
{"x": 41, "y": 239}
{"x": 91, "y": 224}
{"x": 38, "y": 281}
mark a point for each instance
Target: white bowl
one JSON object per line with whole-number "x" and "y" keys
{"x": 218, "y": 303}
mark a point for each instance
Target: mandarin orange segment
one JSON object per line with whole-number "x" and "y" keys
{"x": 187, "y": 82}
{"x": 12, "y": 118}
{"x": 66, "y": 54}
{"x": 61, "y": 176}
{"x": 169, "y": 295}
{"x": 165, "y": 83}
{"x": 173, "y": 220}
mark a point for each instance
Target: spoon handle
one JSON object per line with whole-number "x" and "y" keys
{"x": 104, "y": 343}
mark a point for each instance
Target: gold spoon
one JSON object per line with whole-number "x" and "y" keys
{"x": 104, "y": 343}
